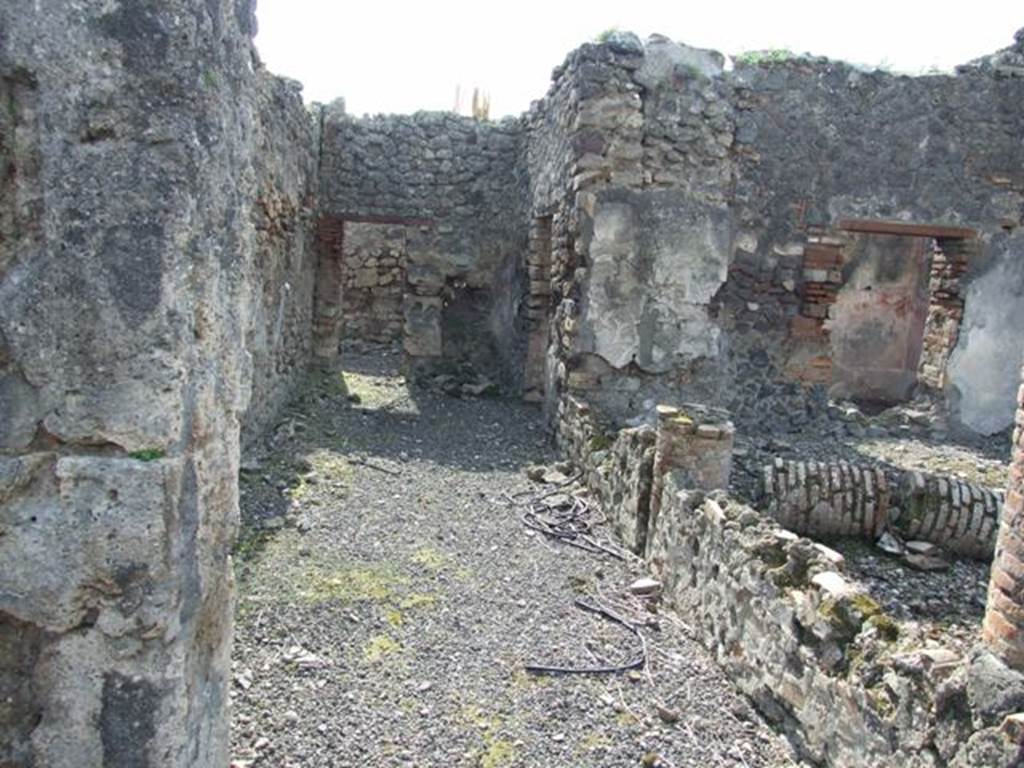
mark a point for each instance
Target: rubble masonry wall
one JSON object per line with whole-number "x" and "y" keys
{"x": 154, "y": 194}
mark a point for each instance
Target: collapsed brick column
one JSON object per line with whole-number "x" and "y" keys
{"x": 1004, "y": 616}
{"x": 819, "y": 499}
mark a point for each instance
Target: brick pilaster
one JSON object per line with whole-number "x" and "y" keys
{"x": 1004, "y": 615}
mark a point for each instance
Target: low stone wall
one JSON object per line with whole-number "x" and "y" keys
{"x": 812, "y": 649}
{"x": 617, "y": 468}
{"x": 815, "y": 652}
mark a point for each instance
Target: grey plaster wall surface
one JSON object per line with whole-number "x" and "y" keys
{"x": 989, "y": 352}
{"x": 655, "y": 265}
{"x": 129, "y": 290}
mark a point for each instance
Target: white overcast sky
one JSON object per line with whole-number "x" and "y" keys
{"x": 387, "y": 56}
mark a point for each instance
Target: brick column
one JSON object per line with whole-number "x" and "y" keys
{"x": 327, "y": 315}
{"x": 1004, "y": 617}
{"x": 696, "y": 440}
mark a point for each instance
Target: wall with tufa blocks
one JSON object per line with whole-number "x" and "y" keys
{"x": 721, "y": 206}
{"x": 155, "y": 275}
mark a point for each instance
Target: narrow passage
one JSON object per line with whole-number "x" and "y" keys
{"x": 390, "y": 598}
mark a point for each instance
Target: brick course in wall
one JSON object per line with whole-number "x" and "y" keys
{"x": 1004, "y": 617}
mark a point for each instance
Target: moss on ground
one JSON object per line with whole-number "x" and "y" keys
{"x": 379, "y": 647}
{"x": 431, "y": 559}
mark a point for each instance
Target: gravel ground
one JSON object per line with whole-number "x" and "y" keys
{"x": 389, "y": 599}
{"x": 932, "y": 608}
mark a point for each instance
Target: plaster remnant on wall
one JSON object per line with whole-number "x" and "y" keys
{"x": 983, "y": 366}
{"x": 655, "y": 266}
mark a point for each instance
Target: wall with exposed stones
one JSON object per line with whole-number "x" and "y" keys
{"x": 278, "y": 335}
{"x": 153, "y": 213}
{"x": 819, "y": 143}
{"x": 706, "y": 222}
{"x": 457, "y": 183}
{"x": 814, "y": 650}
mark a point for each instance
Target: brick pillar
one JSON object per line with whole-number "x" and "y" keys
{"x": 327, "y": 315}
{"x": 696, "y": 440}
{"x": 1004, "y": 617}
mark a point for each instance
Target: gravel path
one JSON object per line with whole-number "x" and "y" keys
{"x": 389, "y": 599}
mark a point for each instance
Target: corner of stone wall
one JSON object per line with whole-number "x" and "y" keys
{"x": 805, "y": 643}
{"x": 131, "y": 311}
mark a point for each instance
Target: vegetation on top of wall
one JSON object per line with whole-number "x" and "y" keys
{"x": 605, "y": 35}
{"x": 765, "y": 56}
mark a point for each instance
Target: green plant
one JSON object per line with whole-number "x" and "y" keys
{"x": 765, "y": 56}
{"x": 147, "y": 454}
{"x": 605, "y": 35}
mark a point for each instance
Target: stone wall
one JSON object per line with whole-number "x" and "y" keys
{"x": 700, "y": 219}
{"x": 458, "y": 182}
{"x": 813, "y": 649}
{"x": 145, "y": 242}
{"x": 278, "y": 335}
{"x": 617, "y": 467}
